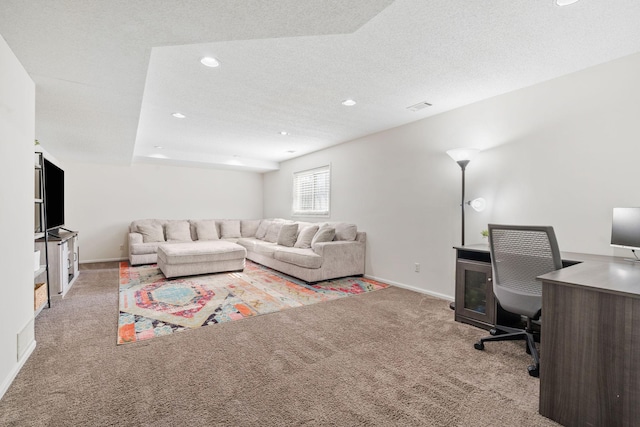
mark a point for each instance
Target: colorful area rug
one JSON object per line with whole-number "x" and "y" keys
{"x": 153, "y": 306}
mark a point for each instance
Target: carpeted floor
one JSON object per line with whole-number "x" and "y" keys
{"x": 153, "y": 306}
{"x": 390, "y": 357}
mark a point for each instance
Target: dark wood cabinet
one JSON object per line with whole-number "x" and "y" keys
{"x": 475, "y": 302}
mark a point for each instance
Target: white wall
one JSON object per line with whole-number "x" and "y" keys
{"x": 563, "y": 153}
{"x": 102, "y": 200}
{"x": 573, "y": 169}
{"x": 17, "y": 124}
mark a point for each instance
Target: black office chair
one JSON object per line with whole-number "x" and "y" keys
{"x": 518, "y": 255}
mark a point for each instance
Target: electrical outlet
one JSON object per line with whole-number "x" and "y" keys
{"x": 122, "y": 247}
{"x": 417, "y": 270}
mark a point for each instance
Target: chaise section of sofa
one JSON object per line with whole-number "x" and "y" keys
{"x": 311, "y": 252}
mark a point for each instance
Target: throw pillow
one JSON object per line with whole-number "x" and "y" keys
{"x": 248, "y": 227}
{"x": 230, "y": 228}
{"x": 206, "y": 229}
{"x": 151, "y": 232}
{"x": 305, "y": 236}
{"x": 273, "y": 231}
{"x": 262, "y": 229}
{"x": 346, "y": 231}
{"x": 324, "y": 234}
{"x": 178, "y": 230}
{"x": 287, "y": 235}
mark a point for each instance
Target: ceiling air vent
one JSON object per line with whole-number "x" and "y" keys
{"x": 419, "y": 106}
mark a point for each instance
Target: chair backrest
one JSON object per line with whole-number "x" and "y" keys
{"x": 518, "y": 255}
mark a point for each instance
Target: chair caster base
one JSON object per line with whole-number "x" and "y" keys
{"x": 534, "y": 371}
{"x": 479, "y": 345}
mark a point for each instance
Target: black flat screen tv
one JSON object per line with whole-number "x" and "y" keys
{"x": 625, "y": 228}
{"x": 54, "y": 195}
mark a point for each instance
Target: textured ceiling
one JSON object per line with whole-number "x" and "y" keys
{"x": 109, "y": 73}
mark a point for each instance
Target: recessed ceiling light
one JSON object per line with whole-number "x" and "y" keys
{"x": 284, "y": 133}
{"x": 178, "y": 115}
{"x": 348, "y": 102}
{"x": 159, "y": 147}
{"x": 209, "y": 61}
{"x": 565, "y": 2}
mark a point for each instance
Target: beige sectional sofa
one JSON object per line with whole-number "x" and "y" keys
{"x": 308, "y": 251}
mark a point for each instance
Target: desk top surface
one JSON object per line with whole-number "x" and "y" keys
{"x": 617, "y": 277}
{"x": 603, "y": 273}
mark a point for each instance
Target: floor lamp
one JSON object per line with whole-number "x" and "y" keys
{"x": 462, "y": 157}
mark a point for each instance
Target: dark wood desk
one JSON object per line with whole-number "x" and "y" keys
{"x": 590, "y": 340}
{"x": 590, "y": 367}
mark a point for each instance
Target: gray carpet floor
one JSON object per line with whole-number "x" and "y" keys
{"x": 389, "y": 357}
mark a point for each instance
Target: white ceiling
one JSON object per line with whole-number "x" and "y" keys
{"x": 110, "y": 73}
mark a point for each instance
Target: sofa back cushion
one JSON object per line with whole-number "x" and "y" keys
{"x": 151, "y": 232}
{"x": 305, "y": 236}
{"x": 178, "y": 230}
{"x": 262, "y": 229}
{"x": 324, "y": 234}
{"x": 287, "y": 235}
{"x": 230, "y": 228}
{"x": 344, "y": 231}
{"x": 273, "y": 231}
{"x": 248, "y": 227}
{"x": 206, "y": 229}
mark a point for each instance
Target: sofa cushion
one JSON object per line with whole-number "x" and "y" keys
{"x": 178, "y": 231}
{"x": 151, "y": 232}
{"x": 305, "y": 236}
{"x": 230, "y": 228}
{"x": 262, "y": 229}
{"x": 324, "y": 234}
{"x": 305, "y": 258}
{"x": 345, "y": 231}
{"x": 199, "y": 252}
{"x": 134, "y": 227}
{"x": 287, "y": 235}
{"x": 248, "y": 227}
{"x": 273, "y": 231}
{"x": 249, "y": 242}
{"x": 265, "y": 248}
{"x": 302, "y": 225}
{"x": 206, "y": 229}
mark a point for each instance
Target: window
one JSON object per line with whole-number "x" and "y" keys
{"x": 311, "y": 192}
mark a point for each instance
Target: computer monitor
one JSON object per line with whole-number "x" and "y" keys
{"x": 625, "y": 228}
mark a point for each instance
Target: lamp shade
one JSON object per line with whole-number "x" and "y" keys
{"x": 462, "y": 154}
{"x": 478, "y": 204}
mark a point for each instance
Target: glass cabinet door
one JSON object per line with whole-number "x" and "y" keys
{"x": 475, "y": 302}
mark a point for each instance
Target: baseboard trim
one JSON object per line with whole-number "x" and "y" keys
{"x": 411, "y": 288}
{"x": 14, "y": 373}
{"x": 89, "y": 261}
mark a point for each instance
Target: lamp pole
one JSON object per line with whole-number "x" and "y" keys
{"x": 462, "y": 156}
{"x": 463, "y": 165}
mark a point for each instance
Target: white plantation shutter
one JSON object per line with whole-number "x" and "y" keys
{"x": 312, "y": 192}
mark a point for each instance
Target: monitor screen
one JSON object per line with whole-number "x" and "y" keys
{"x": 54, "y": 195}
{"x": 625, "y": 228}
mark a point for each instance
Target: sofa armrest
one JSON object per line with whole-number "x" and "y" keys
{"x": 134, "y": 238}
{"x": 342, "y": 255}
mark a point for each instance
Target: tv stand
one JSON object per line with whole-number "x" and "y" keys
{"x": 64, "y": 255}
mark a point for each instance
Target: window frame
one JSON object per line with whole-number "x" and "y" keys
{"x": 296, "y": 209}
